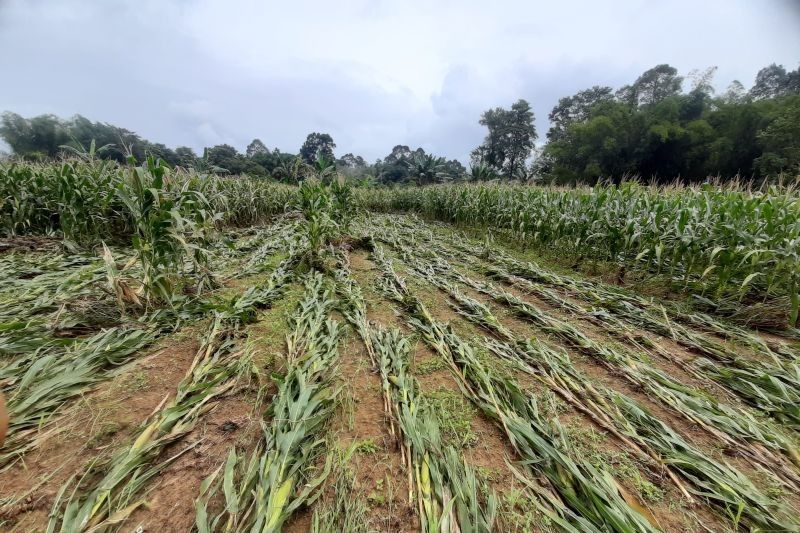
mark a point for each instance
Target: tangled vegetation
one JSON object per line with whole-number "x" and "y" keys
{"x": 185, "y": 351}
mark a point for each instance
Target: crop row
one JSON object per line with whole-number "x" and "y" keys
{"x": 724, "y": 244}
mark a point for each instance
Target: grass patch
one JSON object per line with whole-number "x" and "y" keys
{"x": 517, "y": 512}
{"x": 367, "y": 447}
{"x": 132, "y": 382}
{"x": 429, "y": 366}
{"x": 103, "y": 434}
{"x": 586, "y": 444}
{"x": 454, "y": 415}
{"x": 268, "y": 334}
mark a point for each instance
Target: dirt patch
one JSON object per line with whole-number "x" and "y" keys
{"x": 29, "y": 243}
{"x": 92, "y": 430}
{"x": 234, "y": 421}
{"x": 376, "y": 464}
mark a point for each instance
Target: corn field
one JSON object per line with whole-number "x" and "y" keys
{"x": 721, "y": 242}
{"x": 183, "y": 352}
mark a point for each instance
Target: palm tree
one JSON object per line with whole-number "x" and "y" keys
{"x": 426, "y": 169}
{"x": 290, "y": 171}
{"x": 481, "y": 172}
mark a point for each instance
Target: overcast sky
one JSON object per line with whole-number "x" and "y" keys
{"x": 373, "y": 74}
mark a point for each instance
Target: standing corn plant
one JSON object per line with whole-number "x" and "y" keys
{"x": 173, "y": 223}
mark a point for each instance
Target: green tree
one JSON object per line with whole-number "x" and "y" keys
{"x": 36, "y": 137}
{"x": 351, "y": 161}
{"x": 481, "y": 172}
{"x": 780, "y": 141}
{"x": 773, "y": 81}
{"x": 186, "y": 157}
{"x": 317, "y": 143}
{"x": 291, "y": 171}
{"x": 395, "y": 167}
{"x": 653, "y": 86}
{"x": 427, "y": 169}
{"x": 256, "y": 147}
{"x": 510, "y": 139}
{"x": 576, "y": 108}
{"x": 226, "y": 157}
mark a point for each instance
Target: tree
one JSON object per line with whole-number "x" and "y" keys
{"x": 481, "y": 172}
{"x": 426, "y": 169}
{"x": 576, "y": 109}
{"x": 226, "y": 157}
{"x": 735, "y": 93}
{"x": 351, "y": 161}
{"x": 453, "y": 170}
{"x": 324, "y": 168}
{"x": 702, "y": 80}
{"x": 653, "y": 86}
{"x": 186, "y": 157}
{"x": 291, "y": 171}
{"x": 39, "y": 136}
{"x": 395, "y": 167}
{"x": 317, "y": 143}
{"x": 256, "y": 147}
{"x": 770, "y": 82}
{"x": 510, "y": 139}
{"x": 779, "y": 141}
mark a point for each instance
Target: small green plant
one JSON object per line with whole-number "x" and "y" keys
{"x": 454, "y": 415}
{"x": 429, "y": 366}
{"x": 367, "y": 447}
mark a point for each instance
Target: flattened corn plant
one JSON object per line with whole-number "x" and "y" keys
{"x": 721, "y": 419}
{"x": 53, "y": 379}
{"x": 217, "y": 366}
{"x": 262, "y": 491}
{"x": 347, "y": 510}
{"x": 449, "y": 496}
{"x": 578, "y": 497}
{"x": 758, "y": 439}
{"x": 727, "y": 242}
{"x": 716, "y": 482}
{"x": 773, "y": 388}
{"x": 719, "y": 483}
{"x": 51, "y": 371}
{"x": 42, "y": 307}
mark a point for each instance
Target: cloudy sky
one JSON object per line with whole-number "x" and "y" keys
{"x": 372, "y": 73}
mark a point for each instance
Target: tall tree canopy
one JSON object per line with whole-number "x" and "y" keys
{"x": 256, "y": 147}
{"x": 653, "y": 86}
{"x": 317, "y": 143}
{"x": 510, "y": 139}
{"x": 652, "y": 129}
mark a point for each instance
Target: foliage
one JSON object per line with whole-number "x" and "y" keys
{"x": 510, "y": 139}
{"x": 262, "y": 491}
{"x": 315, "y": 144}
{"x": 725, "y": 243}
{"x": 651, "y": 128}
{"x": 172, "y": 225}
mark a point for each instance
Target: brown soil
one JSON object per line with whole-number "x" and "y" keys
{"x": 91, "y": 431}
{"x": 29, "y": 243}
{"x": 234, "y": 421}
{"x": 379, "y": 474}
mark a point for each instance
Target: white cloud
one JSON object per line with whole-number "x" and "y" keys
{"x": 373, "y": 73}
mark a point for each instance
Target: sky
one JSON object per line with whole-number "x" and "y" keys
{"x": 373, "y": 74}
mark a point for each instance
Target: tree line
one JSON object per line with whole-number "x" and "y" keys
{"x": 651, "y": 128}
